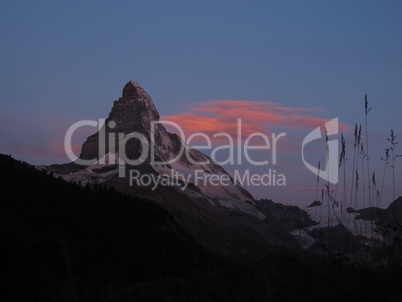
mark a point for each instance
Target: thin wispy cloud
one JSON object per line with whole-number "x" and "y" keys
{"x": 35, "y": 141}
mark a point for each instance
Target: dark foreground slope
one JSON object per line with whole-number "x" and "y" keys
{"x": 63, "y": 242}
{"x": 281, "y": 277}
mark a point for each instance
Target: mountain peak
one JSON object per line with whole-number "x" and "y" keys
{"x": 132, "y": 112}
{"x": 132, "y": 90}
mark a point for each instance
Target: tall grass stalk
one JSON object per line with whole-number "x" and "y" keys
{"x": 327, "y": 165}
{"x": 353, "y": 169}
{"x": 356, "y": 196}
{"x": 342, "y": 160}
{"x": 322, "y": 202}
{"x": 391, "y": 139}
{"x": 367, "y": 110}
{"x": 356, "y": 201}
{"x": 363, "y": 157}
{"x": 386, "y": 162}
{"x": 359, "y": 135}
{"x": 316, "y": 194}
{"x": 377, "y": 195}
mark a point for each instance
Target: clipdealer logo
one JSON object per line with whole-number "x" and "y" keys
{"x": 239, "y": 148}
{"x": 330, "y": 173}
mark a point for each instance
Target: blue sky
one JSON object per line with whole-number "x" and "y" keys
{"x": 63, "y": 61}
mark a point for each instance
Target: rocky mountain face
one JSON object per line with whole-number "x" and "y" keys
{"x": 224, "y": 218}
{"x": 131, "y": 113}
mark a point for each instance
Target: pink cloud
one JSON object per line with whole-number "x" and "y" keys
{"x": 257, "y": 116}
